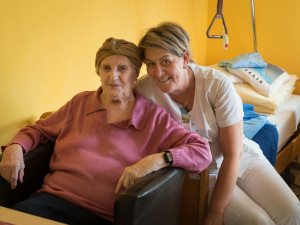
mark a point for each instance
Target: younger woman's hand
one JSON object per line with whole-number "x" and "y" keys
{"x": 213, "y": 219}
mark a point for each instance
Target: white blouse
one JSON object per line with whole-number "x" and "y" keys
{"x": 216, "y": 104}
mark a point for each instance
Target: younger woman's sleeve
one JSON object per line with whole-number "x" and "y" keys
{"x": 228, "y": 105}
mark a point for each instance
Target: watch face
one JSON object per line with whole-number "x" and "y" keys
{"x": 168, "y": 157}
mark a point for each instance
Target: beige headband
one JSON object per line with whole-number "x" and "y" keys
{"x": 113, "y": 46}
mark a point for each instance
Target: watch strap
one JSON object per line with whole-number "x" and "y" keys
{"x": 168, "y": 157}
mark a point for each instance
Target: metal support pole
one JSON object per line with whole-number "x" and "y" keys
{"x": 253, "y": 24}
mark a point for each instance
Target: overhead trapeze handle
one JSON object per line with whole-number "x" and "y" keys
{"x": 219, "y": 14}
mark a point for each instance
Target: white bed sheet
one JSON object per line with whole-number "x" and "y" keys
{"x": 286, "y": 119}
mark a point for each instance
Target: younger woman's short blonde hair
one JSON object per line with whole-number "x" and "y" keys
{"x": 169, "y": 36}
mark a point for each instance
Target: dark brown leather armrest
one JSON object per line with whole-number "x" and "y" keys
{"x": 154, "y": 199}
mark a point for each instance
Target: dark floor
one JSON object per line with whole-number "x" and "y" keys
{"x": 292, "y": 177}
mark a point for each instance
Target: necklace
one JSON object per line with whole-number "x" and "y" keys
{"x": 187, "y": 100}
{"x": 189, "y": 91}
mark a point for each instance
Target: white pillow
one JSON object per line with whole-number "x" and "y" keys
{"x": 234, "y": 79}
{"x": 266, "y": 80}
{"x": 261, "y": 103}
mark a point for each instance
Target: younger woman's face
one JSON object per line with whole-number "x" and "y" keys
{"x": 165, "y": 69}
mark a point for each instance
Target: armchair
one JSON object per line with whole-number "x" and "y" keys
{"x": 154, "y": 199}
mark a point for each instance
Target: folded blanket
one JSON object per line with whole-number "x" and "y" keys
{"x": 252, "y": 121}
{"x": 251, "y": 127}
{"x": 258, "y": 129}
{"x": 244, "y": 61}
{"x": 267, "y": 139}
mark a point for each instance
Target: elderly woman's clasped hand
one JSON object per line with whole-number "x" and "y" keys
{"x": 140, "y": 169}
{"x": 12, "y": 165}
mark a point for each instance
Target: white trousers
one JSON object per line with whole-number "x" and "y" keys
{"x": 261, "y": 196}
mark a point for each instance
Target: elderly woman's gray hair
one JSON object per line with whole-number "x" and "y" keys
{"x": 113, "y": 46}
{"x": 169, "y": 36}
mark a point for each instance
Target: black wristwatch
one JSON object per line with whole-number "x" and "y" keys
{"x": 168, "y": 157}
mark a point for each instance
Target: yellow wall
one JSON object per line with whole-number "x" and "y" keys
{"x": 48, "y": 47}
{"x": 277, "y": 30}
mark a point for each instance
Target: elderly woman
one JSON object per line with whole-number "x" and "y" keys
{"x": 104, "y": 141}
{"x": 244, "y": 187}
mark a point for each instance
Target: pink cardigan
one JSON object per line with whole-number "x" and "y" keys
{"x": 90, "y": 154}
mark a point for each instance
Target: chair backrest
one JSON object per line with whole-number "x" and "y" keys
{"x": 194, "y": 198}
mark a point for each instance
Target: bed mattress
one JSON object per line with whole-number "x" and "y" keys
{"x": 286, "y": 119}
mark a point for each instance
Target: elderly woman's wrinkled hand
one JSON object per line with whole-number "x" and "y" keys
{"x": 12, "y": 165}
{"x": 143, "y": 167}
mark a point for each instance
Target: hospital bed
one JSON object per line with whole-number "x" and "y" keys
{"x": 285, "y": 115}
{"x": 282, "y": 110}
{"x": 287, "y": 121}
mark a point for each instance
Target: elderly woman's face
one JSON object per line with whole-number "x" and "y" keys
{"x": 117, "y": 75}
